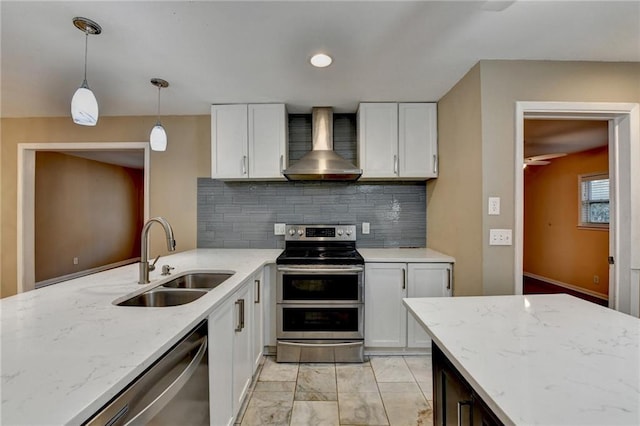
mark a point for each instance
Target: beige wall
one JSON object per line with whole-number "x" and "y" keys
{"x": 503, "y": 83}
{"x": 173, "y": 173}
{"x": 554, "y": 246}
{"x": 87, "y": 210}
{"x": 454, "y": 215}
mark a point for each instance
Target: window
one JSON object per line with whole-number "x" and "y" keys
{"x": 594, "y": 200}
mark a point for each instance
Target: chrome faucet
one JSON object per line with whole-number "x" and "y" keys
{"x": 144, "y": 247}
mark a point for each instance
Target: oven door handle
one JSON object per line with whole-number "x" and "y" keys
{"x": 320, "y": 270}
{"x": 320, "y": 345}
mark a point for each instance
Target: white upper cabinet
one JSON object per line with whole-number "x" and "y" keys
{"x": 398, "y": 140}
{"x": 418, "y": 140}
{"x": 378, "y": 140}
{"x": 248, "y": 141}
{"x": 229, "y": 137}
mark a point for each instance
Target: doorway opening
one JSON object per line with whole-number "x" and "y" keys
{"x": 566, "y": 208}
{"x": 624, "y": 153}
{"x": 79, "y": 209}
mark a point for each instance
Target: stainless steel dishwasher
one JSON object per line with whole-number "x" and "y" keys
{"x": 173, "y": 391}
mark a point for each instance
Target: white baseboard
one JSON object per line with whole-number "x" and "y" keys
{"x": 565, "y": 285}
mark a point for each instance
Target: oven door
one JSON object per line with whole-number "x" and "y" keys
{"x": 316, "y": 284}
{"x": 320, "y": 321}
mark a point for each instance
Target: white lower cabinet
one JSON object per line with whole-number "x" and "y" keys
{"x": 257, "y": 284}
{"x": 426, "y": 280}
{"x": 230, "y": 354}
{"x": 242, "y": 353}
{"x": 387, "y": 323}
{"x": 221, "y": 334}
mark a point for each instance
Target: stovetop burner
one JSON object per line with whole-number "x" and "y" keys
{"x": 320, "y": 244}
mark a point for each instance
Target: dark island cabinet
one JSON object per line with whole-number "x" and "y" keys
{"x": 455, "y": 402}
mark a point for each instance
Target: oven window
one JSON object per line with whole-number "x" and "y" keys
{"x": 320, "y": 287}
{"x": 320, "y": 319}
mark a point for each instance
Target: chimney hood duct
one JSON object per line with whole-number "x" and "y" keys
{"x": 322, "y": 163}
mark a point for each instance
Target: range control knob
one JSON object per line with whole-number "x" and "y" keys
{"x": 348, "y": 231}
{"x": 339, "y": 232}
{"x": 300, "y": 232}
{"x": 292, "y": 232}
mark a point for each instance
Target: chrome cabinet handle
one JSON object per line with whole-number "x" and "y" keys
{"x": 240, "y": 303}
{"x": 404, "y": 278}
{"x": 281, "y": 163}
{"x": 257, "y": 283}
{"x": 435, "y": 164}
{"x": 448, "y": 279}
{"x": 244, "y": 164}
{"x": 460, "y": 405}
{"x": 395, "y": 164}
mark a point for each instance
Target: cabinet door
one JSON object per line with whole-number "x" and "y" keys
{"x": 257, "y": 319}
{"x": 385, "y": 316}
{"x": 242, "y": 354}
{"x": 267, "y": 141}
{"x": 378, "y": 139}
{"x": 229, "y": 141}
{"x": 452, "y": 397}
{"x": 418, "y": 140}
{"x": 425, "y": 280}
{"x": 221, "y": 323}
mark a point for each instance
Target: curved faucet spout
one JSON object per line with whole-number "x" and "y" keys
{"x": 144, "y": 246}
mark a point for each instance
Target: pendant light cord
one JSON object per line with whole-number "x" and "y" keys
{"x": 86, "y": 43}
{"x": 158, "y": 122}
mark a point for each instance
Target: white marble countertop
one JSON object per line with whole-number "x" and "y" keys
{"x": 67, "y": 350}
{"x": 404, "y": 255}
{"x": 541, "y": 359}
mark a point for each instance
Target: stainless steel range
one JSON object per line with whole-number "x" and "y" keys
{"x": 320, "y": 305}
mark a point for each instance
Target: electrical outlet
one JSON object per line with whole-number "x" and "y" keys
{"x": 279, "y": 228}
{"x": 365, "y": 228}
{"x": 500, "y": 237}
{"x": 75, "y": 261}
{"x": 596, "y": 279}
{"x": 494, "y": 206}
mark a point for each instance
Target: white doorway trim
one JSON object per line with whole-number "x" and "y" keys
{"x": 26, "y": 197}
{"x": 624, "y": 151}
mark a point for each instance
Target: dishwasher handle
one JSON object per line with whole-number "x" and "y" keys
{"x": 149, "y": 412}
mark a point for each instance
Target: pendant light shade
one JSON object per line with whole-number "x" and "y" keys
{"x": 84, "y": 105}
{"x": 158, "y": 136}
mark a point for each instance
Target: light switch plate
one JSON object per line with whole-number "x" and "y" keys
{"x": 494, "y": 206}
{"x": 279, "y": 228}
{"x": 365, "y": 228}
{"x": 500, "y": 237}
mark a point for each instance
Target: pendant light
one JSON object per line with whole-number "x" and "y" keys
{"x": 84, "y": 106}
{"x": 158, "y": 137}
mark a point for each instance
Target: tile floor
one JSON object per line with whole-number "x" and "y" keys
{"x": 386, "y": 390}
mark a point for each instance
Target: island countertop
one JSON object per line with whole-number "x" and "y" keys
{"x": 541, "y": 359}
{"x": 67, "y": 349}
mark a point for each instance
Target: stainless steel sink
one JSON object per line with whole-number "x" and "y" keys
{"x": 203, "y": 280}
{"x": 161, "y": 297}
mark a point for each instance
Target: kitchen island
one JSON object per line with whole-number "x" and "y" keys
{"x": 67, "y": 349}
{"x": 540, "y": 359}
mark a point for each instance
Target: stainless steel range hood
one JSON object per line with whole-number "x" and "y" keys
{"x": 322, "y": 163}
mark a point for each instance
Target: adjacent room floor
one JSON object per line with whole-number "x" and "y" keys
{"x": 391, "y": 390}
{"x": 534, "y": 286}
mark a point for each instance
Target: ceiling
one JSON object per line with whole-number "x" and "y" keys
{"x": 238, "y": 51}
{"x": 131, "y": 158}
{"x": 542, "y": 137}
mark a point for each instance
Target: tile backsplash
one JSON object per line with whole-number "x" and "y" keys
{"x": 242, "y": 214}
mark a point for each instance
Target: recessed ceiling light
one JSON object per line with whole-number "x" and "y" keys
{"x": 321, "y": 60}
